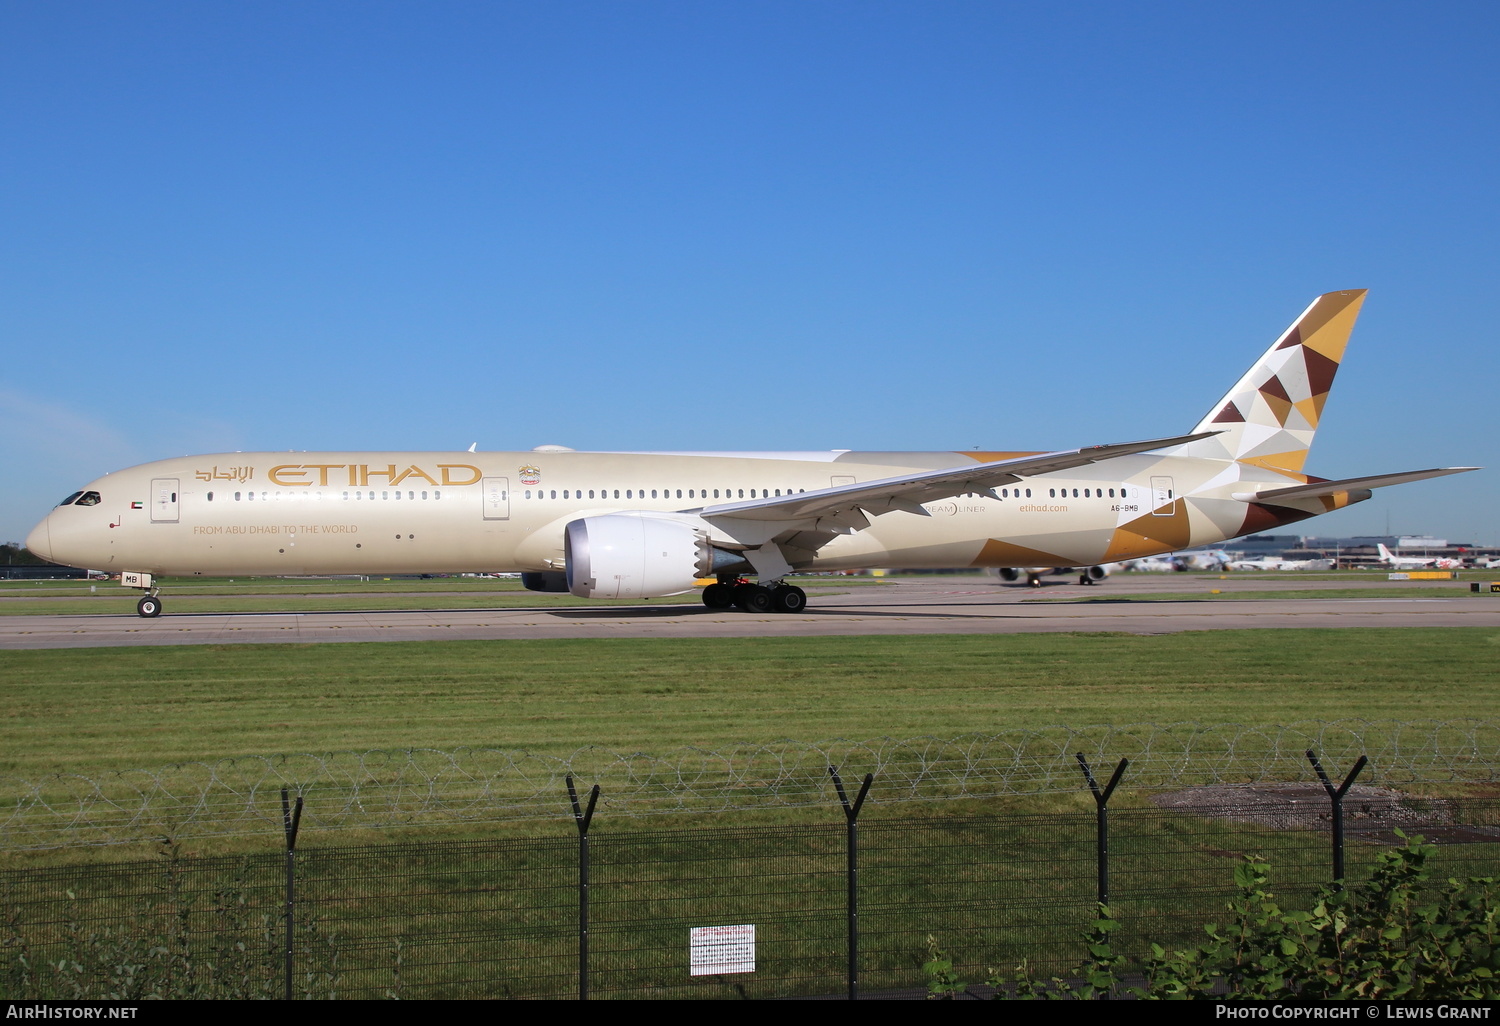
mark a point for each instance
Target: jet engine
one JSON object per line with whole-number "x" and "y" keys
{"x": 633, "y": 555}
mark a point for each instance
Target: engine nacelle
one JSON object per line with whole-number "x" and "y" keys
{"x": 1009, "y": 573}
{"x": 634, "y": 555}
{"x": 1096, "y": 573}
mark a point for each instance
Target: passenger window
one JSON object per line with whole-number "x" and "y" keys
{"x": 210, "y": 496}
{"x": 439, "y": 495}
{"x": 1051, "y": 493}
{"x": 742, "y": 493}
{"x": 236, "y": 496}
{"x": 716, "y": 493}
{"x": 424, "y": 495}
{"x": 653, "y": 493}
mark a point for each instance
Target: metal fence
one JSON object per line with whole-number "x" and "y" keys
{"x": 606, "y": 910}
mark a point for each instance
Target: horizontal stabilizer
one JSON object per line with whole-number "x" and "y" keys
{"x": 1318, "y": 489}
{"x": 902, "y": 493}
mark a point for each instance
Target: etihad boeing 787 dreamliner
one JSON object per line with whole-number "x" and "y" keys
{"x": 641, "y": 525}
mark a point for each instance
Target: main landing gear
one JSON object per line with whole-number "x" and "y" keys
{"x": 754, "y": 598}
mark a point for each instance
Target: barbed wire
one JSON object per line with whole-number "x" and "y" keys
{"x": 392, "y": 787}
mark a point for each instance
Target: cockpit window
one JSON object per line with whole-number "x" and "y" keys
{"x": 89, "y": 499}
{"x": 69, "y": 500}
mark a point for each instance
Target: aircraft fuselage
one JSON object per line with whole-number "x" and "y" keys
{"x": 444, "y": 512}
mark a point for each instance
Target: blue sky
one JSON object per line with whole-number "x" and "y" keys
{"x": 808, "y": 225}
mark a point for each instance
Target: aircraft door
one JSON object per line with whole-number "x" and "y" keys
{"x": 1163, "y": 499}
{"x": 164, "y": 501}
{"x": 496, "y": 498}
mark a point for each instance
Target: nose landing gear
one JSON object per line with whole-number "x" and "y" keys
{"x": 149, "y": 607}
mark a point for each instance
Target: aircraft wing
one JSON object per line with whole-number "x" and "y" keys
{"x": 1318, "y": 489}
{"x": 908, "y": 491}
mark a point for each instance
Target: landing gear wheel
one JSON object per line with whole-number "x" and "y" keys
{"x": 752, "y": 598}
{"x": 149, "y": 606}
{"x": 788, "y": 600}
{"x": 718, "y": 596}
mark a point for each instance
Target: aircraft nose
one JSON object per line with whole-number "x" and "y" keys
{"x": 39, "y": 541}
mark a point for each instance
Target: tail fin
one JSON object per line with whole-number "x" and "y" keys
{"x": 1269, "y": 416}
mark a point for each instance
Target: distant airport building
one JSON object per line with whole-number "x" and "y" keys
{"x": 41, "y": 572}
{"x": 1257, "y": 545}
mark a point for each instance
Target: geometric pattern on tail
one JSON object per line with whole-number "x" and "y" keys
{"x": 1271, "y": 414}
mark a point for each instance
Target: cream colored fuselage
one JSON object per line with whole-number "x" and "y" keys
{"x": 430, "y": 512}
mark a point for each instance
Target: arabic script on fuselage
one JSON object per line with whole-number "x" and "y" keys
{"x": 226, "y": 474}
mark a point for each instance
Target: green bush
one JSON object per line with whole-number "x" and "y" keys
{"x": 1395, "y": 936}
{"x": 166, "y": 947}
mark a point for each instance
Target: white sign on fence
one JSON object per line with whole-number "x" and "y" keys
{"x": 722, "y": 949}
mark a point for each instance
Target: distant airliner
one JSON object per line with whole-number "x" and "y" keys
{"x": 1272, "y": 563}
{"x": 641, "y": 525}
{"x": 1418, "y": 562}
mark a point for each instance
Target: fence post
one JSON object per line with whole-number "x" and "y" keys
{"x": 583, "y": 817}
{"x": 1336, "y": 798}
{"x": 851, "y": 871}
{"x": 291, "y": 819}
{"x": 1101, "y": 821}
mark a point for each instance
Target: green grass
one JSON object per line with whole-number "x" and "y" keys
{"x": 1394, "y": 591}
{"x": 91, "y": 710}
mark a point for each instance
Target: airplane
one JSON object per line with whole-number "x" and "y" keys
{"x": 1164, "y": 564}
{"x": 1177, "y": 562}
{"x": 637, "y": 525}
{"x": 1272, "y": 563}
{"x": 1417, "y": 562}
{"x": 1033, "y": 574}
